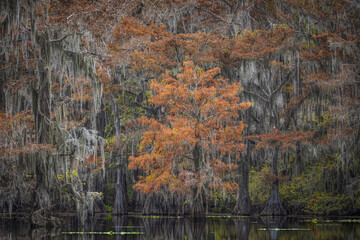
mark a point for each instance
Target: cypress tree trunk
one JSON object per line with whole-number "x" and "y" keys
{"x": 196, "y": 207}
{"x": 41, "y": 99}
{"x": 155, "y": 204}
{"x": 299, "y": 164}
{"x": 274, "y": 205}
{"x": 121, "y": 201}
{"x": 121, "y": 198}
{"x": 243, "y": 205}
{"x": 44, "y": 162}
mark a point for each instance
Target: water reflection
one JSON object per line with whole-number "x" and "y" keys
{"x": 273, "y": 224}
{"x": 243, "y": 227}
{"x": 154, "y": 227}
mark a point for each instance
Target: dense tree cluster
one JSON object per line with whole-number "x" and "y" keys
{"x": 179, "y": 107}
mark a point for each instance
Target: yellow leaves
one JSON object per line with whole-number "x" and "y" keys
{"x": 60, "y": 177}
{"x": 326, "y": 120}
{"x": 289, "y": 89}
{"x": 69, "y": 176}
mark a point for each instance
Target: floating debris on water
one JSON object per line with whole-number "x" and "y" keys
{"x": 283, "y": 229}
{"x": 103, "y": 233}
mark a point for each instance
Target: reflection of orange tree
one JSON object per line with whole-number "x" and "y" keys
{"x": 183, "y": 150}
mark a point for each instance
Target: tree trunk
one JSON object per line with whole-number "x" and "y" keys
{"x": 121, "y": 198}
{"x": 243, "y": 206}
{"x": 299, "y": 164}
{"x": 155, "y": 204}
{"x": 196, "y": 207}
{"x": 274, "y": 206}
{"x": 42, "y": 108}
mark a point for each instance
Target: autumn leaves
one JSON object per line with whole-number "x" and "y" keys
{"x": 199, "y": 113}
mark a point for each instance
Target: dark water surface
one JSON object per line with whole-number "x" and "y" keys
{"x": 216, "y": 227}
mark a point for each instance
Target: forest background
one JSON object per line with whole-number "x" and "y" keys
{"x": 179, "y": 107}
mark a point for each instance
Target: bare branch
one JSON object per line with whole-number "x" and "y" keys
{"x": 60, "y": 39}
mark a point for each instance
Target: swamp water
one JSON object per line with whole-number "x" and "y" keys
{"x": 158, "y": 227}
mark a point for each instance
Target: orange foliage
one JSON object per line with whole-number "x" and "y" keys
{"x": 15, "y": 86}
{"x": 258, "y": 44}
{"x": 268, "y": 177}
{"x": 201, "y": 110}
{"x": 319, "y": 9}
{"x": 93, "y": 160}
{"x": 317, "y": 77}
{"x": 296, "y": 101}
{"x": 283, "y": 140}
{"x": 16, "y": 134}
{"x": 154, "y": 50}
